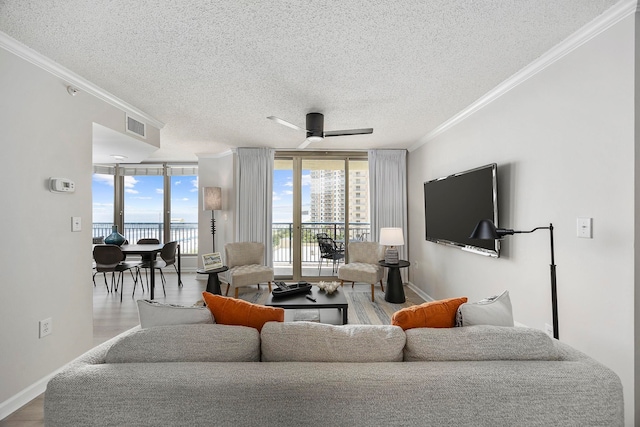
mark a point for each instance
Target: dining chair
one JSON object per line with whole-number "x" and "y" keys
{"x": 144, "y": 241}
{"x": 109, "y": 258}
{"x": 167, "y": 258}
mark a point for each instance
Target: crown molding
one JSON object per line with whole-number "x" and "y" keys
{"x": 600, "y": 24}
{"x": 12, "y": 45}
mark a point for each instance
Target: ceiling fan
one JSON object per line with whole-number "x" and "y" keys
{"x": 315, "y": 129}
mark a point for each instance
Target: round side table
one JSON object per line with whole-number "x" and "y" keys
{"x": 395, "y": 290}
{"x": 213, "y": 283}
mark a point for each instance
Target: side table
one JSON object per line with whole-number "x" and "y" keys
{"x": 395, "y": 291}
{"x": 213, "y": 283}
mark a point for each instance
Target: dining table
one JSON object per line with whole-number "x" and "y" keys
{"x": 148, "y": 252}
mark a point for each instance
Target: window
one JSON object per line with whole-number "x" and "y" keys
{"x": 148, "y": 201}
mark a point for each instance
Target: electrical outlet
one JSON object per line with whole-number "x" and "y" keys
{"x": 548, "y": 329}
{"x": 46, "y": 327}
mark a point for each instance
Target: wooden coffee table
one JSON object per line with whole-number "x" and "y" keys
{"x": 323, "y": 302}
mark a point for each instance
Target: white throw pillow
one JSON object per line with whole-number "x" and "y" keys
{"x": 494, "y": 311}
{"x": 152, "y": 313}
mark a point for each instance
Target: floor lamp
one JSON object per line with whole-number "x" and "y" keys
{"x": 486, "y": 230}
{"x": 212, "y": 201}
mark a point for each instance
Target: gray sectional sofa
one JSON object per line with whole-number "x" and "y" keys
{"x": 303, "y": 373}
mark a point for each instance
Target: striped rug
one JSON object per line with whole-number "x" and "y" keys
{"x": 362, "y": 310}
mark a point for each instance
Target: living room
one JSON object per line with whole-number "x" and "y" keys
{"x": 562, "y": 133}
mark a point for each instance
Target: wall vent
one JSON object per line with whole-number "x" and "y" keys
{"x": 137, "y": 127}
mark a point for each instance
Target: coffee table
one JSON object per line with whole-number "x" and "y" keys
{"x": 323, "y": 302}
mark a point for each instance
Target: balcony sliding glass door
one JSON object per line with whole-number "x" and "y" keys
{"x": 311, "y": 196}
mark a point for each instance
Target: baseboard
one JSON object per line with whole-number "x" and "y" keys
{"x": 16, "y": 402}
{"x": 422, "y": 294}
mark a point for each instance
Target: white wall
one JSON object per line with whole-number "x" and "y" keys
{"x": 564, "y": 144}
{"x": 216, "y": 172}
{"x": 45, "y": 269}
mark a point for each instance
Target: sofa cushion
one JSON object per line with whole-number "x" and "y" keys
{"x": 187, "y": 343}
{"x": 495, "y": 310}
{"x": 484, "y": 342}
{"x": 231, "y": 311}
{"x": 433, "y": 314}
{"x": 316, "y": 342}
{"x": 152, "y": 313}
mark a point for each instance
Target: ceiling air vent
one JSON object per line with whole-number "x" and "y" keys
{"x": 134, "y": 126}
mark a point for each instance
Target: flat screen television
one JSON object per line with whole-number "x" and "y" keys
{"x": 454, "y": 204}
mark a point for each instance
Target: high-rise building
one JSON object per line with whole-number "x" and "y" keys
{"x": 328, "y": 196}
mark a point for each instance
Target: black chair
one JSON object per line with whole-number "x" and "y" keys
{"x": 329, "y": 250}
{"x": 167, "y": 257}
{"x": 145, "y": 241}
{"x": 109, "y": 258}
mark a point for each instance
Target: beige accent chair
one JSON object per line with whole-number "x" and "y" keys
{"x": 246, "y": 265}
{"x": 363, "y": 265}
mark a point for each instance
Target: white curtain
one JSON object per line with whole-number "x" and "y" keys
{"x": 254, "y": 182}
{"x": 388, "y": 194}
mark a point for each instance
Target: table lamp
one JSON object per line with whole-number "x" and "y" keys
{"x": 212, "y": 201}
{"x": 391, "y": 237}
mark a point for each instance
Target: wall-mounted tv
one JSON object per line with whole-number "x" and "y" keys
{"x": 454, "y": 204}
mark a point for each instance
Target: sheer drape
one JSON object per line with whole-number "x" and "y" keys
{"x": 388, "y": 194}
{"x": 254, "y": 182}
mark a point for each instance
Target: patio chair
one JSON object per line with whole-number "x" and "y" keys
{"x": 245, "y": 261}
{"x": 363, "y": 265}
{"x": 329, "y": 250}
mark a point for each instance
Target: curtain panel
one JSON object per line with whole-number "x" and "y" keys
{"x": 254, "y": 183}
{"x": 388, "y": 194}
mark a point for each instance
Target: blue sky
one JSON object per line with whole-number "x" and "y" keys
{"x": 283, "y": 195}
{"x": 144, "y": 195}
{"x": 144, "y": 198}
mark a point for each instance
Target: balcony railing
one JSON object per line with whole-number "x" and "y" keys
{"x": 282, "y": 234}
{"x": 185, "y": 233}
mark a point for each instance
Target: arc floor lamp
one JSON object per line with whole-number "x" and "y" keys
{"x": 486, "y": 230}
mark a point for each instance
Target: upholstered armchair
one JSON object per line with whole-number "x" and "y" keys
{"x": 363, "y": 265}
{"x": 246, "y": 265}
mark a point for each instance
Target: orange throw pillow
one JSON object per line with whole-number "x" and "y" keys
{"x": 231, "y": 311}
{"x": 433, "y": 314}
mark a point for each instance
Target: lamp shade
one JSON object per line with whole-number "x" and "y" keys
{"x": 391, "y": 236}
{"x": 485, "y": 230}
{"x": 211, "y": 198}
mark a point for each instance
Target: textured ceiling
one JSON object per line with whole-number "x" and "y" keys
{"x": 213, "y": 71}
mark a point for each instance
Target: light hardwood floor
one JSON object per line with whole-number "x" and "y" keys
{"x": 111, "y": 317}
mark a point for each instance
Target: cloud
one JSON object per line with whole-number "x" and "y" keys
{"x": 177, "y": 183}
{"x": 194, "y": 183}
{"x": 103, "y": 179}
{"x": 159, "y": 191}
{"x": 185, "y": 199}
{"x": 288, "y": 184}
{"x": 130, "y": 181}
{"x": 276, "y": 198}
{"x": 131, "y": 191}
{"x": 287, "y": 192}
{"x": 306, "y": 179}
{"x": 142, "y": 198}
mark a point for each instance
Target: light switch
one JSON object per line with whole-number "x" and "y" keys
{"x": 584, "y": 228}
{"x": 76, "y": 223}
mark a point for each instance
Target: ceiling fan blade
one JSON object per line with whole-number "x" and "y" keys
{"x": 284, "y": 122}
{"x": 348, "y": 132}
{"x": 304, "y": 144}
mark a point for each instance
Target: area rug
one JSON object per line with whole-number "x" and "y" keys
{"x": 362, "y": 311}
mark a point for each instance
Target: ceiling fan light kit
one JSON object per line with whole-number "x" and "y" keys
{"x": 315, "y": 129}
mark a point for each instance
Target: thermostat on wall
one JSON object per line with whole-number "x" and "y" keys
{"x": 61, "y": 185}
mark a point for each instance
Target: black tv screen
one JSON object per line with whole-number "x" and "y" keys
{"x": 454, "y": 204}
